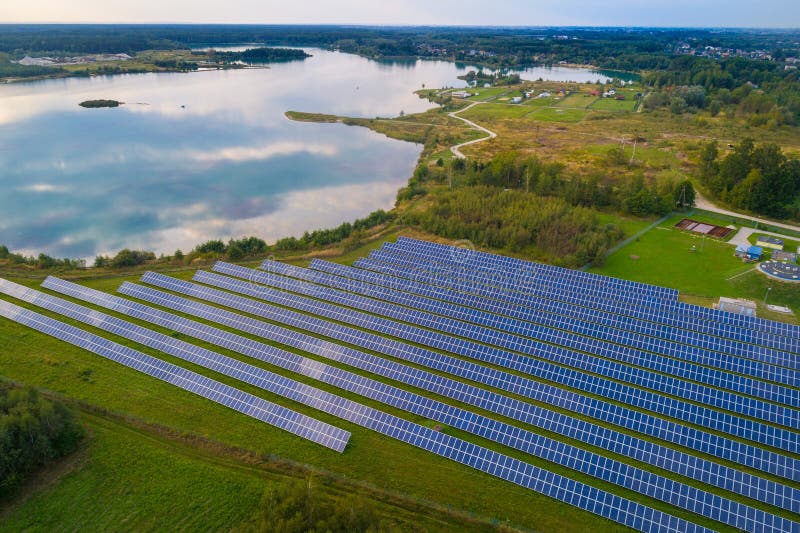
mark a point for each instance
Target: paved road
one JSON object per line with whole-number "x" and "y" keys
{"x": 743, "y": 234}
{"x": 703, "y": 203}
{"x": 456, "y": 149}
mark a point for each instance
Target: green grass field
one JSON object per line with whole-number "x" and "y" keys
{"x": 556, "y": 114}
{"x": 611, "y": 104}
{"x": 577, "y": 100}
{"x": 201, "y": 486}
{"x": 663, "y": 256}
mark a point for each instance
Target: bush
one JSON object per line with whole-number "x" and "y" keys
{"x": 34, "y": 431}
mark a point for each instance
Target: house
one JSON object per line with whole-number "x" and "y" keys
{"x": 594, "y": 93}
{"x": 769, "y": 242}
{"x": 788, "y": 257}
{"x": 544, "y": 95}
{"x": 619, "y": 97}
{"x": 736, "y": 305}
{"x": 754, "y": 253}
{"x": 530, "y": 94}
{"x": 487, "y": 85}
{"x": 461, "y": 94}
{"x": 748, "y": 253}
{"x": 516, "y": 100}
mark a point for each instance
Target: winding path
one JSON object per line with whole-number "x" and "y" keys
{"x": 703, "y": 203}
{"x": 457, "y": 148}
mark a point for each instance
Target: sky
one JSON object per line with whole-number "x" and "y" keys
{"x": 670, "y": 13}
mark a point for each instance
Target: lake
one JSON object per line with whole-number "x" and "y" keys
{"x": 197, "y": 156}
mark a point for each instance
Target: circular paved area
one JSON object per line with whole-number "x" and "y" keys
{"x": 781, "y": 271}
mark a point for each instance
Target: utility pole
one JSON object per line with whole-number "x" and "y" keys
{"x": 450, "y": 167}
{"x": 767, "y": 295}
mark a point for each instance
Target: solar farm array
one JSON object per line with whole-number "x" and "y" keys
{"x": 617, "y": 381}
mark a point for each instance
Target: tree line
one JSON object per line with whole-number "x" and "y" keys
{"x": 34, "y": 431}
{"x": 758, "y": 178}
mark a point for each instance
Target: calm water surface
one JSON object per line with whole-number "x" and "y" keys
{"x": 197, "y": 156}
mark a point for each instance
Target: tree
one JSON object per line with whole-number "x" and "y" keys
{"x": 714, "y": 108}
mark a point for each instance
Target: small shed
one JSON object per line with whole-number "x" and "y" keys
{"x": 738, "y": 306}
{"x": 741, "y": 251}
{"x": 770, "y": 242}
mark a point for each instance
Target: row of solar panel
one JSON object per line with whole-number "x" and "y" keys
{"x": 653, "y": 485}
{"x": 577, "y": 304}
{"x": 780, "y": 328}
{"x": 626, "y": 512}
{"x": 688, "y": 412}
{"x": 523, "y": 307}
{"x": 638, "y": 449}
{"x": 280, "y": 417}
{"x": 518, "y": 281}
{"x": 694, "y": 372}
{"x": 669, "y": 431}
{"x": 580, "y": 305}
{"x": 477, "y": 257}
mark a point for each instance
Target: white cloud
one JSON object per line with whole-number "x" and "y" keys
{"x": 43, "y": 188}
{"x": 240, "y": 154}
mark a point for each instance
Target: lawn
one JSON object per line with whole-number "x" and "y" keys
{"x": 201, "y": 486}
{"x": 611, "y": 104}
{"x": 578, "y": 100}
{"x": 555, "y": 114}
{"x": 663, "y": 256}
{"x": 493, "y": 111}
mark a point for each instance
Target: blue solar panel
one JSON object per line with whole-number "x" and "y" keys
{"x": 736, "y": 383}
{"x": 491, "y": 462}
{"x": 693, "y": 310}
{"x": 707, "y": 443}
{"x": 647, "y": 452}
{"x": 510, "y": 288}
{"x": 475, "y": 257}
{"x": 280, "y": 417}
{"x": 716, "y": 420}
{"x": 701, "y": 356}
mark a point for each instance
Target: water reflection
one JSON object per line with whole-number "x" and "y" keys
{"x": 204, "y": 155}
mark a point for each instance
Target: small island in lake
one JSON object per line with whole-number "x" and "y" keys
{"x": 100, "y": 103}
{"x": 263, "y": 55}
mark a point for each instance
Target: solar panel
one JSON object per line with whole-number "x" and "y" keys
{"x": 710, "y": 418}
{"x": 519, "y": 288}
{"x": 646, "y": 452}
{"x": 546, "y": 333}
{"x": 476, "y": 257}
{"x": 456, "y": 449}
{"x": 453, "y": 285}
{"x": 707, "y": 443}
{"x": 659, "y": 487}
{"x": 505, "y": 280}
{"x": 695, "y": 310}
{"x": 260, "y": 409}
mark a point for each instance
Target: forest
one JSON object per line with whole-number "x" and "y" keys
{"x": 758, "y": 178}
{"x": 262, "y": 55}
{"x": 34, "y": 431}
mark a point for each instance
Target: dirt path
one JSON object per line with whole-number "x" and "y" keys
{"x": 457, "y": 148}
{"x": 703, "y": 203}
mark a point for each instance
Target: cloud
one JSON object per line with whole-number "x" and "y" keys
{"x": 43, "y": 188}
{"x": 241, "y": 154}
